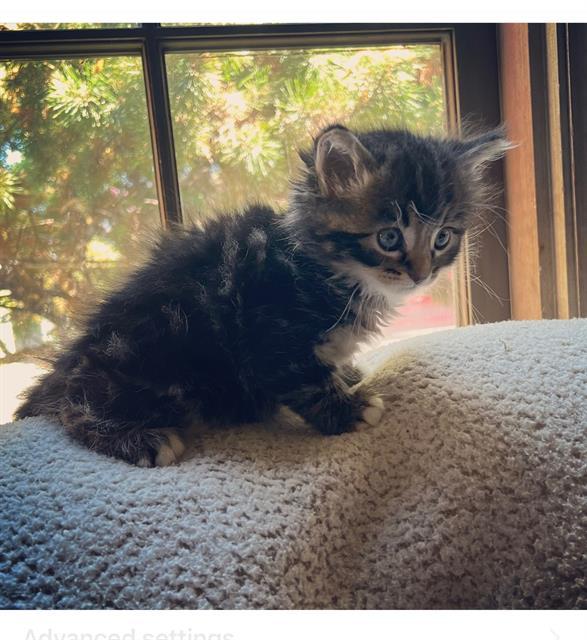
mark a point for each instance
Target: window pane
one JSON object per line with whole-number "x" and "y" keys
{"x": 240, "y": 117}
{"x": 31, "y": 26}
{"x": 76, "y": 186}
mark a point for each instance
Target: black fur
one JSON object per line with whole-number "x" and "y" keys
{"x": 224, "y": 323}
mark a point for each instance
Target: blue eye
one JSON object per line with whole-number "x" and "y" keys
{"x": 389, "y": 239}
{"x": 442, "y": 238}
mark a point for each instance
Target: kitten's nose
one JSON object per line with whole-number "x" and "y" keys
{"x": 417, "y": 277}
{"x": 419, "y": 268}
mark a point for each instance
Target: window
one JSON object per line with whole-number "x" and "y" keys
{"x": 79, "y": 181}
{"x": 33, "y": 26}
{"x": 77, "y": 186}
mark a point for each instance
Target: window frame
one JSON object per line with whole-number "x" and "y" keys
{"x": 470, "y": 60}
{"x": 544, "y": 101}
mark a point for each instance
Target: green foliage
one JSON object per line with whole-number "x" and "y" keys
{"x": 76, "y": 167}
{"x": 239, "y": 118}
{"x": 9, "y": 187}
{"x": 81, "y": 93}
{"x": 33, "y": 26}
{"x": 82, "y": 188}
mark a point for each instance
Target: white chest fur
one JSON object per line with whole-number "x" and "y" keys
{"x": 339, "y": 345}
{"x": 374, "y": 302}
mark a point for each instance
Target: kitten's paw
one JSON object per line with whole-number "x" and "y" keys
{"x": 372, "y": 413}
{"x": 168, "y": 452}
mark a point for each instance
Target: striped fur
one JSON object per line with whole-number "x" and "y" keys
{"x": 226, "y": 321}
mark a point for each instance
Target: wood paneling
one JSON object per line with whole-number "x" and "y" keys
{"x": 524, "y": 262}
{"x": 557, "y": 173}
{"x": 577, "y": 63}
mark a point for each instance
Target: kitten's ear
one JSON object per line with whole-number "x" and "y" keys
{"x": 342, "y": 163}
{"x": 476, "y": 153}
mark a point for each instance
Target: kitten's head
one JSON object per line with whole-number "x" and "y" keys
{"x": 388, "y": 209}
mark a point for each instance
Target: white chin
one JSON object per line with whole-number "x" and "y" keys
{"x": 391, "y": 290}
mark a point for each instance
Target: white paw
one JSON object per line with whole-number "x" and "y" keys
{"x": 372, "y": 413}
{"x": 170, "y": 451}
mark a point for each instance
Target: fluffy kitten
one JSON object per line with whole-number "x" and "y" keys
{"x": 226, "y": 322}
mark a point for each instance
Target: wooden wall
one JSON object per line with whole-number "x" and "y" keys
{"x": 543, "y": 76}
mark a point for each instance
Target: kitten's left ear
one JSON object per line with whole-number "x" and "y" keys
{"x": 479, "y": 151}
{"x": 342, "y": 163}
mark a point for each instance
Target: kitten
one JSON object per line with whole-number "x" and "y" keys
{"x": 224, "y": 323}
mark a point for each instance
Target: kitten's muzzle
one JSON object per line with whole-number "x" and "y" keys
{"x": 417, "y": 278}
{"x": 419, "y": 268}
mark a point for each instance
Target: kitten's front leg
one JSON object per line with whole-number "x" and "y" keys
{"x": 350, "y": 374}
{"x": 331, "y": 407}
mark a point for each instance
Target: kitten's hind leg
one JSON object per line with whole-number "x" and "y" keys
{"x": 132, "y": 442}
{"x": 139, "y": 427}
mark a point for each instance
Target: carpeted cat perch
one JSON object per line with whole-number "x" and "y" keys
{"x": 470, "y": 493}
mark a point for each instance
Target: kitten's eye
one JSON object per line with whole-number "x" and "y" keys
{"x": 442, "y": 238}
{"x": 389, "y": 239}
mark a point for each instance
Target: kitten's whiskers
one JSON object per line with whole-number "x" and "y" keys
{"x": 345, "y": 311}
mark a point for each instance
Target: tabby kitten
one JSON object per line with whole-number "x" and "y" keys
{"x": 224, "y": 323}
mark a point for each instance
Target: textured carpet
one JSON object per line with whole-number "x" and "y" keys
{"x": 471, "y": 493}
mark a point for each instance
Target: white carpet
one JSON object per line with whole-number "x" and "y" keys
{"x": 471, "y": 493}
